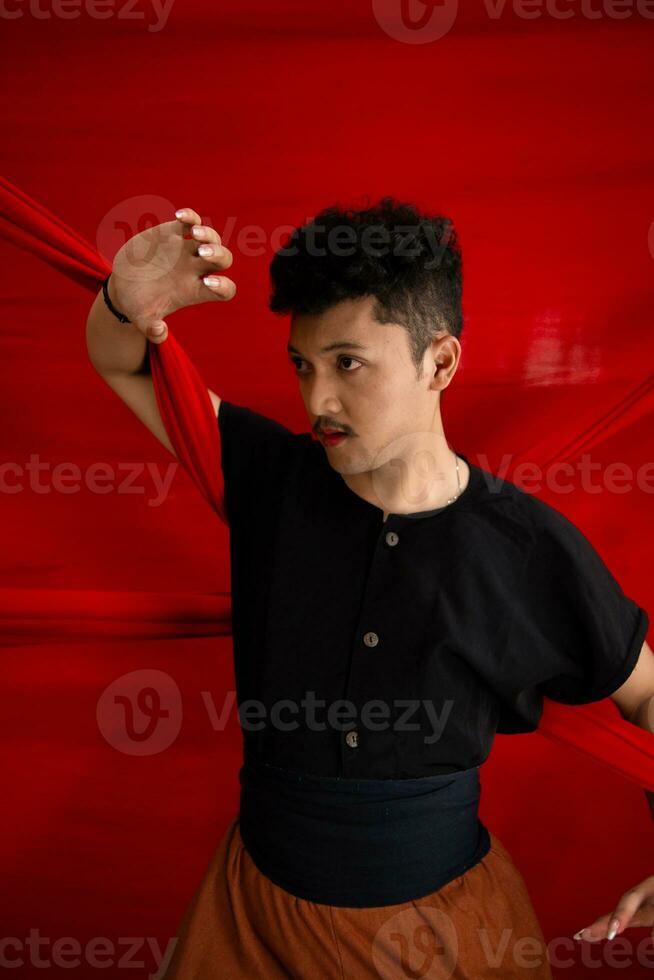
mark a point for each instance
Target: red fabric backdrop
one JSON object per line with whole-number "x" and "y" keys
{"x": 534, "y": 135}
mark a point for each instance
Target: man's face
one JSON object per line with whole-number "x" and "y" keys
{"x": 371, "y": 391}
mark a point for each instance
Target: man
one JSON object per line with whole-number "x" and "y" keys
{"x": 393, "y": 606}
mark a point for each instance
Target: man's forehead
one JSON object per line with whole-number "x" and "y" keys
{"x": 348, "y": 324}
{"x": 341, "y": 344}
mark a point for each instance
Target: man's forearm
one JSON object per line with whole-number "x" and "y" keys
{"x": 644, "y": 718}
{"x": 114, "y": 347}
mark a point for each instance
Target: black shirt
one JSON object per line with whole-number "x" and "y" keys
{"x": 432, "y": 630}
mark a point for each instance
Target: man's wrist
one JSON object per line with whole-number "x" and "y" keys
{"x": 111, "y": 289}
{"x": 114, "y": 302}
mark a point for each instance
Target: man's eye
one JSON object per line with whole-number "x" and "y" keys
{"x": 297, "y": 362}
{"x": 353, "y": 359}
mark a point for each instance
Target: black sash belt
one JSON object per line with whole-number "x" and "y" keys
{"x": 360, "y": 843}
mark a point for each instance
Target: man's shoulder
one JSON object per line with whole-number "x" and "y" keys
{"x": 518, "y": 511}
{"x": 244, "y": 420}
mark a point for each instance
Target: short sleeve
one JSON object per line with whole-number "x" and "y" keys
{"x": 575, "y": 636}
{"x": 255, "y": 454}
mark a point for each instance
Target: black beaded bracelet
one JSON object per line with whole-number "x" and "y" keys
{"x": 116, "y": 313}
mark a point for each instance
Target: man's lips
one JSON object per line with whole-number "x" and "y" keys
{"x": 332, "y": 436}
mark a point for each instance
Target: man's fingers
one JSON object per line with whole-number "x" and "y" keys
{"x": 216, "y": 287}
{"x": 189, "y": 222}
{"x": 628, "y": 912}
{"x": 152, "y": 328}
{"x": 594, "y": 932}
{"x": 204, "y": 241}
{"x": 215, "y": 255}
{"x": 633, "y": 909}
{"x": 205, "y": 234}
{"x": 187, "y": 217}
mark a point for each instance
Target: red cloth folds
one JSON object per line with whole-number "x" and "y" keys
{"x": 30, "y": 615}
{"x": 189, "y": 418}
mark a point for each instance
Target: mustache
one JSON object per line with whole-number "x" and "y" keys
{"x": 337, "y": 428}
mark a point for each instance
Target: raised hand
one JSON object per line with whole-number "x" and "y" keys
{"x": 167, "y": 267}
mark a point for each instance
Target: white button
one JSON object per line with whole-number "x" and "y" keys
{"x": 352, "y": 739}
{"x": 371, "y": 639}
{"x": 392, "y": 538}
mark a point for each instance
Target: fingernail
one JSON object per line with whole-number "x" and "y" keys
{"x": 615, "y": 925}
{"x": 180, "y": 214}
{"x": 577, "y": 935}
{"x": 205, "y": 250}
{"x": 211, "y": 280}
{"x": 157, "y": 329}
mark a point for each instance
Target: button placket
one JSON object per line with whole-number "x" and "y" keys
{"x": 378, "y": 571}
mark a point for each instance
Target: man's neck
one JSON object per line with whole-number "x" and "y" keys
{"x": 401, "y": 503}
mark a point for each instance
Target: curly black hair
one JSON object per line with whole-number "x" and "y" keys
{"x": 409, "y": 261}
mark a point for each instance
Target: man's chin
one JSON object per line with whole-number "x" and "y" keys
{"x": 346, "y": 467}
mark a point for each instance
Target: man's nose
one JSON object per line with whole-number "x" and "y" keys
{"x": 322, "y": 399}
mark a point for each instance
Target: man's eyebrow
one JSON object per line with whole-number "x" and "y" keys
{"x": 337, "y": 345}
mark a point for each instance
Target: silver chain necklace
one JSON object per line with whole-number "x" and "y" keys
{"x": 458, "y": 480}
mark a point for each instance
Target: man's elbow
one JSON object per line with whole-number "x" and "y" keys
{"x": 634, "y": 697}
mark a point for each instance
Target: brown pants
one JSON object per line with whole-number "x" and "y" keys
{"x": 241, "y": 925}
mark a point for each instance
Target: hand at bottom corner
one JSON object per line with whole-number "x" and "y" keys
{"x": 634, "y": 909}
